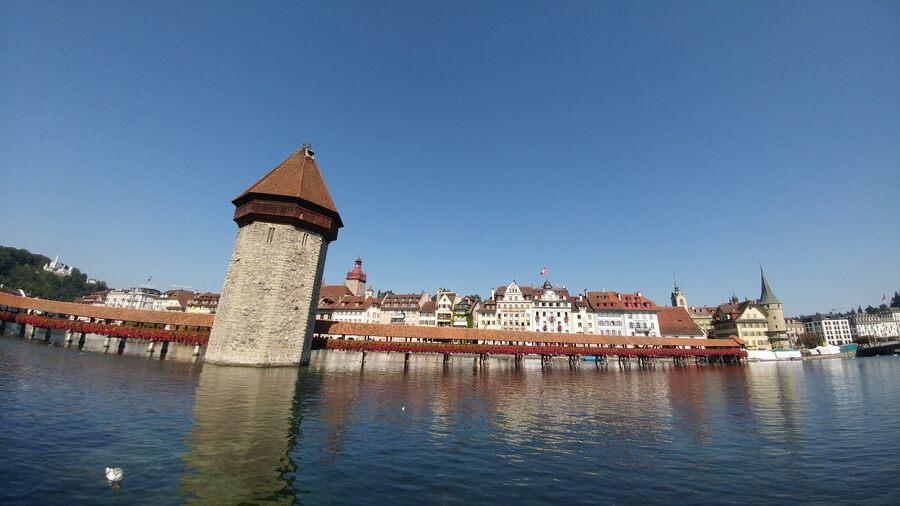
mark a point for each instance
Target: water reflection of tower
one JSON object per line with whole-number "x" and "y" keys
{"x": 688, "y": 392}
{"x": 239, "y": 443}
{"x": 772, "y": 396}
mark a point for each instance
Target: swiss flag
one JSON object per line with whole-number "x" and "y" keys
{"x": 543, "y": 271}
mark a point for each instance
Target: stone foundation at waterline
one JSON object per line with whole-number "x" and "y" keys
{"x": 267, "y": 308}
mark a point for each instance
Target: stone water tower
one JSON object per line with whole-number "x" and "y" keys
{"x": 267, "y": 309}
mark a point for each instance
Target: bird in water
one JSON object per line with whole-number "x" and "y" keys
{"x": 114, "y": 474}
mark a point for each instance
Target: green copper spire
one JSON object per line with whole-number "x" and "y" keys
{"x": 766, "y": 297}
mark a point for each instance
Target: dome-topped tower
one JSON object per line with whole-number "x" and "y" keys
{"x": 356, "y": 279}
{"x": 678, "y": 297}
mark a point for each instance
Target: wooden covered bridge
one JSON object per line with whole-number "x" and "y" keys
{"x": 409, "y": 339}
{"x": 171, "y": 328}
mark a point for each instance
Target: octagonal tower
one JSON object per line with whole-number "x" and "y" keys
{"x": 267, "y": 309}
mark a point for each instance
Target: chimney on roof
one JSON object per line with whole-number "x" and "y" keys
{"x": 307, "y": 151}
{"x": 638, "y": 294}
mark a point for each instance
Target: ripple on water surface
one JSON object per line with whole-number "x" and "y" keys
{"x": 344, "y": 431}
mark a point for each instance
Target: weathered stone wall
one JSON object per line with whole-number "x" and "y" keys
{"x": 777, "y": 328}
{"x": 267, "y": 308}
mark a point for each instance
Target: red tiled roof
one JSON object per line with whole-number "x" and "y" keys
{"x": 609, "y": 300}
{"x": 401, "y": 301}
{"x": 354, "y": 303}
{"x": 333, "y": 292}
{"x": 488, "y": 306}
{"x": 675, "y": 321}
{"x": 299, "y": 177}
{"x": 527, "y": 291}
{"x": 183, "y": 296}
{"x": 429, "y": 307}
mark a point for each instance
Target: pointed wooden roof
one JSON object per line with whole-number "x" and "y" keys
{"x": 766, "y": 296}
{"x": 291, "y": 193}
{"x": 296, "y": 177}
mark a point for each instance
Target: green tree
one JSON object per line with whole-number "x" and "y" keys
{"x": 810, "y": 340}
{"x": 21, "y": 269}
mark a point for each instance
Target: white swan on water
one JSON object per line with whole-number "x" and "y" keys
{"x": 114, "y": 474}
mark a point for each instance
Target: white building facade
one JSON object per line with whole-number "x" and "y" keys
{"x": 133, "y": 298}
{"x": 835, "y": 330}
{"x": 551, "y": 311}
{"x": 624, "y": 314}
{"x": 882, "y": 326}
{"x": 354, "y": 309}
{"x": 514, "y": 308}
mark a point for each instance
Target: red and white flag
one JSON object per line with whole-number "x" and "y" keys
{"x": 543, "y": 271}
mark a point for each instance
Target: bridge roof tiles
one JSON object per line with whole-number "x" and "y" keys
{"x": 461, "y": 334}
{"x": 108, "y": 313}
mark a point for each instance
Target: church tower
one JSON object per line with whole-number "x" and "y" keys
{"x": 678, "y": 298}
{"x": 356, "y": 279}
{"x": 777, "y": 330}
{"x": 267, "y": 308}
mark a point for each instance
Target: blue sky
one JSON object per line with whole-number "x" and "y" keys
{"x": 467, "y": 144}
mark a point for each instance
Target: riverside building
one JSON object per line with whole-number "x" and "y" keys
{"x": 880, "y": 325}
{"x": 759, "y": 323}
{"x": 514, "y": 306}
{"x": 834, "y": 329}
{"x": 624, "y": 314}
{"x": 133, "y": 298}
{"x": 551, "y": 310}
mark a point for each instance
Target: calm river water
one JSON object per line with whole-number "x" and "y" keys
{"x": 340, "y": 432}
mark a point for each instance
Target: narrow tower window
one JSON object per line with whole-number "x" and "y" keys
{"x": 270, "y": 235}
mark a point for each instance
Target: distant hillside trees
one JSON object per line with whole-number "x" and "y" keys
{"x": 19, "y": 268}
